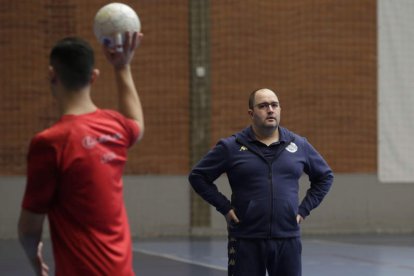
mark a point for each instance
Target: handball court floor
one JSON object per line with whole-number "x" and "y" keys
{"x": 365, "y": 255}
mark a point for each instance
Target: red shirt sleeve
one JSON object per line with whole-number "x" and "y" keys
{"x": 130, "y": 126}
{"x": 133, "y": 131}
{"x": 41, "y": 176}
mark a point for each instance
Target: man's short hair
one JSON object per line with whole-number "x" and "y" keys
{"x": 253, "y": 94}
{"x": 73, "y": 61}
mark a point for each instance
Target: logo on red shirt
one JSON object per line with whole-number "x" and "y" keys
{"x": 89, "y": 142}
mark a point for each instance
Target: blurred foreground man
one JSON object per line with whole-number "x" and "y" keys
{"x": 75, "y": 167}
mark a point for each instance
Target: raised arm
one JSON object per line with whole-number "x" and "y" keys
{"x": 128, "y": 98}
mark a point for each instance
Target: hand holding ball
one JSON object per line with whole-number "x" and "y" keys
{"x": 112, "y": 21}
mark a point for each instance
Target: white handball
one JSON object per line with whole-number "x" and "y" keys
{"x": 112, "y": 21}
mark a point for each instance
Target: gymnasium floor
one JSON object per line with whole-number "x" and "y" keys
{"x": 365, "y": 255}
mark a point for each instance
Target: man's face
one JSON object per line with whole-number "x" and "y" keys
{"x": 266, "y": 110}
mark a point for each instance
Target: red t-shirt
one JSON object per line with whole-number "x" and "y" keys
{"x": 75, "y": 176}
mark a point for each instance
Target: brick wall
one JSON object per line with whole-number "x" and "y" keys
{"x": 319, "y": 55}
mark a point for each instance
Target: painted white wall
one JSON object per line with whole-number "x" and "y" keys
{"x": 159, "y": 206}
{"x": 356, "y": 203}
{"x": 11, "y": 191}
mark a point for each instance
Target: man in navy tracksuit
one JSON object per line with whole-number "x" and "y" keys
{"x": 263, "y": 163}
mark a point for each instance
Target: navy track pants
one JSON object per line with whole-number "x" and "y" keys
{"x": 252, "y": 257}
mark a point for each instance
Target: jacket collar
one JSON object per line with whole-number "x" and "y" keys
{"x": 247, "y": 135}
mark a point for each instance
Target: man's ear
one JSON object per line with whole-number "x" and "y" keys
{"x": 250, "y": 112}
{"x": 95, "y": 75}
{"x": 52, "y": 75}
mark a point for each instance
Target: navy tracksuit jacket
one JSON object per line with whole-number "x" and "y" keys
{"x": 264, "y": 194}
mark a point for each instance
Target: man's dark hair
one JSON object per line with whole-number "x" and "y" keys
{"x": 73, "y": 60}
{"x": 253, "y": 94}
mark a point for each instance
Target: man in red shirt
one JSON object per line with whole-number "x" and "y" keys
{"x": 74, "y": 170}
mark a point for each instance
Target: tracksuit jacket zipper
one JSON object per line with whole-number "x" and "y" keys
{"x": 270, "y": 173}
